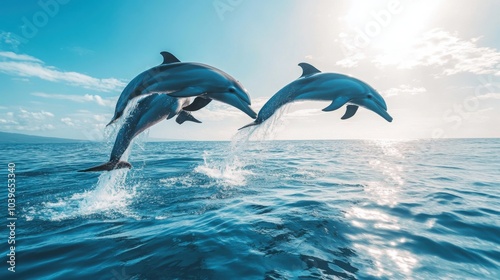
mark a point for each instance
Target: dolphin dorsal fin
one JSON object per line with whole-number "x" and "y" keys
{"x": 308, "y": 69}
{"x": 169, "y": 58}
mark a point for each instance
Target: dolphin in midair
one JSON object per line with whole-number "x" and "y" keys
{"x": 186, "y": 79}
{"x": 337, "y": 88}
{"x": 149, "y": 111}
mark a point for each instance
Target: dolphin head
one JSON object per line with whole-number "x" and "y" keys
{"x": 234, "y": 94}
{"x": 372, "y": 101}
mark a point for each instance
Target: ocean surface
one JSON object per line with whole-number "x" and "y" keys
{"x": 375, "y": 209}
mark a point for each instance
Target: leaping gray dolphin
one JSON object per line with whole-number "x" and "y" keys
{"x": 338, "y": 88}
{"x": 149, "y": 111}
{"x": 186, "y": 79}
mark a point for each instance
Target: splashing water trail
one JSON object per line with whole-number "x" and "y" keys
{"x": 271, "y": 127}
{"x": 230, "y": 169}
{"x": 111, "y": 195}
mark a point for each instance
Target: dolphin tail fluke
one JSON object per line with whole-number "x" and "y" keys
{"x": 108, "y": 166}
{"x": 250, "y": 124}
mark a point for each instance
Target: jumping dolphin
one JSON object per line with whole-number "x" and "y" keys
{"x": 149, "y": 111}
{"x": 186, "y": 79}
{"x": 338, "y": 88}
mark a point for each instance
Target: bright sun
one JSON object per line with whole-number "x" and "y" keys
{"x": 391, "y": 25}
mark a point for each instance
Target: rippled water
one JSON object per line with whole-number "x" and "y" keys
{"x": 423, "y": 209}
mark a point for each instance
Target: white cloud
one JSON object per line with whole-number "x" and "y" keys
{"x": 108, "y": 102}
{"x": 15, "y": 56}
{"x": 351, "y": 61}
{"x": 439, "y": 48}
{"x": 9, "y": 39}
{"x": 24, "y": 120}
{"x": 302, "y": 113}
{"x": 217, "y": 112}
{"x": 404, "y": 89}
{"x": 490, "y": 95}
{"x": 35, "y": 115}
{"x": 68, "y": 121}
{"x": 22, "y": 65}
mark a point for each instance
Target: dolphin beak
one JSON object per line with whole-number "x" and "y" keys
{"x": 235, "y": 101}
{"x": 377, "y": 108}
{"x": 115, "y": 117}
{"x": 384, "y": 115}
{"x": 243, "y": 96}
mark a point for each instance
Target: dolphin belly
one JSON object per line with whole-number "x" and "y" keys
{"x": 149, "y": 111}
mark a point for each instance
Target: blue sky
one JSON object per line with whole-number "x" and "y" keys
{"x": 63, "y": 64}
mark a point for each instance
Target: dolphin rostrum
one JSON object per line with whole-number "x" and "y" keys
{"x": 149, "y": 111}
{"x": 338, "y": 88}
{"x": 186, "y": 79}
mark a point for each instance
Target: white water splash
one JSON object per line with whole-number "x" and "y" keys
{"x": 270, "y": 128}
{"x": 110, "y": 196}
{"x": 228, "y": 172}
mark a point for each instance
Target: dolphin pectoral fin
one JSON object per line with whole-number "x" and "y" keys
{"x": 308, "y": 69}
{"x": 337, "y": 103}
{"x": 171, "y": 114}
{"x": 350, "y": 111}
{"x": 198, "y": 103}
{"x": 186, "y": 116}
{"x": 169, "y": 58}
{"x": 188, "y": 92}
{"x": 108, "y": 166}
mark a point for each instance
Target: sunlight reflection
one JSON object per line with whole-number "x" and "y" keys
{"x": 386, "y": 155}
{"x": 374, "y": 243}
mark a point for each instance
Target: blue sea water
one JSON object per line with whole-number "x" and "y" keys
{"x": 375, "y": 209}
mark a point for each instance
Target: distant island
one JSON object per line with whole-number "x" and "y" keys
{"x": 7, "y": 137}
{"x": 11, "y": 138}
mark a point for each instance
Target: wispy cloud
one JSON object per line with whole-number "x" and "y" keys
{"x": 108, "y": 102}
{"x": 448, "y": 52}
{"x": 22, "y": 57}
{"x": 8, "y": 39}
{"x": 404, "y": 89}
{"x": 491, "y": 95}
{"x": 302, "y": 113}
{"x": 67, "y": 121}
{"x": 24, "y": 120}
{"x": 80, "y": 50}
{"x": 351, "y": 61}
{"x": 22, "y": 65}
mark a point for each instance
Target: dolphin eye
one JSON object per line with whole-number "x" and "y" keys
{"x": 231, "y": 90}
{"x": 369, "y": 96}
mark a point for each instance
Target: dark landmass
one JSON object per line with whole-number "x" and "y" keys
{"x": 18, "y": 138}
